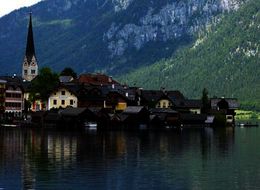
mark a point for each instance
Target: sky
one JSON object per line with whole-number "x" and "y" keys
{"x": 6, "y": 6}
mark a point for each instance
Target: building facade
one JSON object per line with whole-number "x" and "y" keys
{"x": 62, "y": 98}
{"x": 14, "y": 102}
{"x": 2, "y": 96}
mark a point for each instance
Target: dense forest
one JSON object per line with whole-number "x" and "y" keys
{"x": 225, "y": 60}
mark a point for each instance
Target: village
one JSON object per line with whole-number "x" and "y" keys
{"x": 95, "y": 100}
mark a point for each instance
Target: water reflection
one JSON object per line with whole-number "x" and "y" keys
{"x": 185, "y": 159}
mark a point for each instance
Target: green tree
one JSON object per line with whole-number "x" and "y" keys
{"x": 43, "y": 84}
{"x": 205, "y": 101}
{"x": 68, "y": 72}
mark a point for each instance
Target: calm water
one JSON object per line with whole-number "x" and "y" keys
{"x": 187, "y": 159}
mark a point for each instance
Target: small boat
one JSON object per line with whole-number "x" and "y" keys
{"x": 90, "y": 125}
{"x": 242, "y": 125}
{"x": 9, "y": 125}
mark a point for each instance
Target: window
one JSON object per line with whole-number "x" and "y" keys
{"x": 71, "y": 102}
{"x": 62, "y": 102}
{"x": 54, "y": 102}
{"x": 25, "y": 71}
{"x": 164, "y": 104}
{"x": 32, "y": 71}
{"x": 63, "y": 92}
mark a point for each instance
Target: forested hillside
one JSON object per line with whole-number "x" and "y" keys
{"x": 110, "y": 36}
{"x": 226, "y": 61}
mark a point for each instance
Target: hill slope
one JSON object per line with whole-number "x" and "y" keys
{"x": 112, "y": 36}
{"x": 226, "y": 61}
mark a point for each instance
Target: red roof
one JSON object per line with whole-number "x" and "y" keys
{"x": 96, "y": 79}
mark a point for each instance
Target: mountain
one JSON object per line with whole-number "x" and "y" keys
{"x": 177, "y": 44}
{"x": 111, "y": 36}
{"x": 225, "y": 60}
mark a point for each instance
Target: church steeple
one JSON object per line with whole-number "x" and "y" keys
{"x": 30, "y": 67}
{"x": 30, "y": 51}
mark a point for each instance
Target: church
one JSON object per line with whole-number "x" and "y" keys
{"x": 30, "y": 66}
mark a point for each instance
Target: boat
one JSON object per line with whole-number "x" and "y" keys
{"x": 242, "y": 125}
{"x": 90, "y": 125}
{"x": 9, "y": 125}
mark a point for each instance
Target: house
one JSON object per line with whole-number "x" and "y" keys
{"x": 169, "y": 99}
{"x": 135, "y": 116}
{"x": 159, "y": 98}
{"x": 224, "y": 106}
{"x": 92, "y": 96}
{"x": 116, "y": 101}
{"x": 229, "y": 105}
{"x": 168, "y": 116}
{"x": 149, "y": 98}
{"x": 188, "y": 106}
{"x": 191, "y": 120}
{"x": 62, "y": 97}
{"x": 51, "y": 119}
{"x": 14, "y": 101}
{"x": 76, "y": 117}
{"x": 2, "y": 96}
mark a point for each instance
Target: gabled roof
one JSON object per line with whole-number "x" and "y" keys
{"x": 96, "y": 79}
{"x": 175, "y": 94}
{"x": 3, "y": 81}
{"x": 162, "y": 110}
{"x": 130, "y": 93}
{"x": 72, "y": 111}
{"x": 151, "y": 95}
{"x": 73, "y": 88}
{"x": 133, "y": 109}
{"x": 232, "y": 102}
{"x": 14, "y": 81}
{"x": 65, "y": 79}
{"x": 188, "y": 103}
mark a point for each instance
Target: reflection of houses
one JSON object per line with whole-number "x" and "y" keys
{"x": 62, "y": 97}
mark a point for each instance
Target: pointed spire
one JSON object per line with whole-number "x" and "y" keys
{"x": 30, "y": 51}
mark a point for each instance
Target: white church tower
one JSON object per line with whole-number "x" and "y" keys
{"x": 30, "y": 67}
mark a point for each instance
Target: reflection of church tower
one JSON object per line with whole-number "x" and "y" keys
{"x": 30, "y": 67}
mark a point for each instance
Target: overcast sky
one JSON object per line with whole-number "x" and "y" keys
{"x": 6, "y": 6}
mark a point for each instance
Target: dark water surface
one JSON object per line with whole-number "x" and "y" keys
{"x": 188, "y": 159}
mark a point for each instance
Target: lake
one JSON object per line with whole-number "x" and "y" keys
{"x": 182, "y": 159}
